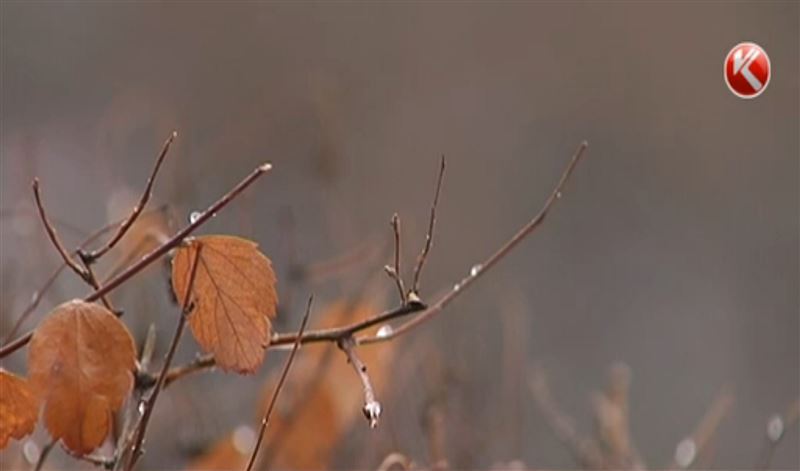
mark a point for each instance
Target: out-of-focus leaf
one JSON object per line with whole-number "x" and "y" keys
{"x": 81, "y": 361}
{"x": 19, "y": 407}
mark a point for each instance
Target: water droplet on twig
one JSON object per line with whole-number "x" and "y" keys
{"x": 194, "y": 216}
{"x": 385, "y": 331}
{"x": 475, "y": 269}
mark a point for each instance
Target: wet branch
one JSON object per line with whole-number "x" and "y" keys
{"x": 91, "y": 257}
{"x": 156, "y": 253}
{"x": 372, "y": 408}
{"x": 141, "y": 429}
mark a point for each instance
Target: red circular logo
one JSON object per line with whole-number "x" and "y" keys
{"x": 747, "y": 70}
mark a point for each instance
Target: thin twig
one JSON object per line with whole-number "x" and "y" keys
{"x": 284, "y": 341}
{"x": 44, "y": 454}
{"x": 585, "y": 450}
{"x": 91, "y": 257}
{"x": 187, "y": 304}
{"x": 480, "y": 269}
{"x": 394, "y": 271}
{"x": 91, "y": 279}
{"x": 82, "y": 270}
{"x": 279, "y": 386}
{"x": 337, "y": 333}
{"x": 38, "y": 295}
{"x": 372, "y": 408}
{"x": 702, "y": 435}
{"x": 156, "y": 253}
{"x": 611, "y": 409}
{"x": 36, "y": 298}
{"x": 51, "y": 232}
{"x": 423, "y": 256}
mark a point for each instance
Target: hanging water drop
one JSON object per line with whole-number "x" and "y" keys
{"x": 194, "y": 216}
{"x": 558, "y": 195}
{"x": 372, "y": 411}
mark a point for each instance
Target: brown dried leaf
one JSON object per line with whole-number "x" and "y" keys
{"x": 19, "y": 407}
{"x": 234, "y": 299}
{"x": 81, "y": 361}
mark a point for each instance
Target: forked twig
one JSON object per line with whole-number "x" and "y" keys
{"x": 90, "y": 257}
{"x": 186, "y": 307}
{"x": 278, "y": 387}
{"x": 414, "y": 305}
{"x": 156, "y": 253}
{"x": 480, "y": 269}
{"x": 38, "y": 295}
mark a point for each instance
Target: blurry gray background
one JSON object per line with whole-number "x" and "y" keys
{"x": 674, "y": 249}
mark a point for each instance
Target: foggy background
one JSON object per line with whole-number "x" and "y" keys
{"x": 674, "y": 248}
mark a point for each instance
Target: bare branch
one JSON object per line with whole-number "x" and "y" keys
{"x": 82, "y": 270}
{"x": 279, "y": 386}
{"x": 156, "y": 253}
{"x": 372, "y": 408}
{"x": 480, "y": 269}
{"x": 423, "y": 256}
{"x": 38, "y": 295}
{"x": 150, "y": 403}
{"x": 336, "y": 334}
{"x": 585, "y": 450}
{"x": 90, "y": 257}
{"x": 394, "y": 271}
{"x": 51, "y": 232}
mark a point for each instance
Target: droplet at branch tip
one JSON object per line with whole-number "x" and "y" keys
{"x": 265, "y": 167}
